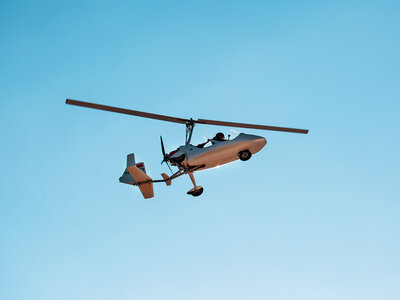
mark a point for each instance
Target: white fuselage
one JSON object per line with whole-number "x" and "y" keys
{"x": 220, "y": 152}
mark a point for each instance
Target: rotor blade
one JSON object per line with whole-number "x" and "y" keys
{"x": 179, "y": 120}
{"x": 253, "y": 126}
{"x": 126, "y": 111}
{"x": 162, "y": 147}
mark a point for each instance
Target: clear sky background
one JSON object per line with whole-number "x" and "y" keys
{"x": 309, "y": 217}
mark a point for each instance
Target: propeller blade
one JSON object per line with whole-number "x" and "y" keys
{"x": 165, "y": 156}
{"x": 253, "y": 126}
{"x": 169, "y": 167}
{"x": 126, "y": 111}
{"x": 162, "y": 147}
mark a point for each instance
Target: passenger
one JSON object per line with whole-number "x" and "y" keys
{"x": 203, "y": 144}
{"x": 219, "y": 137}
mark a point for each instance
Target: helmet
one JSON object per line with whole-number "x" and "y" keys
{"x": 219, "y": 136}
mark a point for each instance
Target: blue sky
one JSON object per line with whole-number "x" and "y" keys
{"x": 309, "y": 217}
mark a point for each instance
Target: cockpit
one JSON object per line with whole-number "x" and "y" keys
{"x": 219, "y": 137}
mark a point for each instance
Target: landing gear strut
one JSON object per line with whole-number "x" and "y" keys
{"x": 197, "y": 190}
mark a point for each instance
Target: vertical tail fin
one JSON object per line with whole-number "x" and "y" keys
{"x": 130, "y": 160}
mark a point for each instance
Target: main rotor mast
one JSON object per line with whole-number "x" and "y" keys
{"x": 189, "y": 130}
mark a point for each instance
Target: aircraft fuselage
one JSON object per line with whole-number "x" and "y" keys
{"x": 220, "y": 152}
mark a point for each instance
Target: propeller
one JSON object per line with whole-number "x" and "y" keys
{"x": 165, "y": 155}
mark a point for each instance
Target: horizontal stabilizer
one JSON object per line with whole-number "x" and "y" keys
{"x": 166, "y": 178}
{"x": 142, "y": 180}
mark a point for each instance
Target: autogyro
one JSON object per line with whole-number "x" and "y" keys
{"x": 189, "y": 158}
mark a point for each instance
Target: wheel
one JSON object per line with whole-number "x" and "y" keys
{"x": 244, "y": 155}
{"x": 198, "y": 192}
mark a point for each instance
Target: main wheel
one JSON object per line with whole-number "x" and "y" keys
{"x": 244, "y": 155}
{"x": 196, "y": 193}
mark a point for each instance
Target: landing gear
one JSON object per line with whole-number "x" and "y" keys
{"x": 244, "y": 155}
{"x": 197, "y": 190}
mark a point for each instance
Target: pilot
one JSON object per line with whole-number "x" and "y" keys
{"x": 219, "y": 137}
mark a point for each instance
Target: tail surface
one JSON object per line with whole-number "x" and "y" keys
{"x": 135, "y": 174}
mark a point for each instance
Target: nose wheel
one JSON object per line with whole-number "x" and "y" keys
{"x": 197, "y": 190}
{"x": 244, "y": 155}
